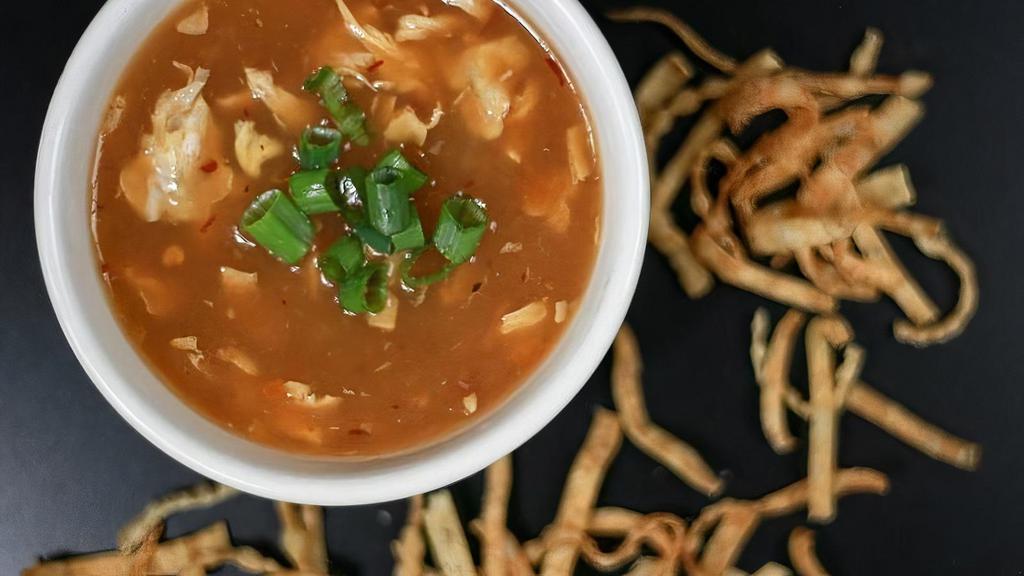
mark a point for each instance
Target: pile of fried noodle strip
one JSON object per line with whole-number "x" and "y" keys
{"x": 808, "y": 250}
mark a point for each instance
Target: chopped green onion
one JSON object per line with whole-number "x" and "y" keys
{"x": 276, "y": 224}
{"x": 351, "y": 121}
{"x": 319, "y": 147}
{"x": 393, "y": 166}
{"x": 366, "y": 289}
{"x": 326, "y": 83}
{"x": 387, "y": 207}
{"x": 460, "y": 228}
{"x": 352, "y": 185}
{"x": 344, "y": 257}
{"x": 415, "y": 282}
{"x": 316, "y": 191}
{"x": 352, "y": 190}
{"x": 412, "y": 237}
{"x": 380, "y": 243}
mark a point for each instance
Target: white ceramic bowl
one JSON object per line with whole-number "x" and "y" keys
{"x": 63, "y": 174}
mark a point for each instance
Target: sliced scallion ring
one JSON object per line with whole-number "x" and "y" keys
{"x": 315, "y": 191}
{"x": 387, "y": 207}
{"x": 396, "y": 168}
{"x": 460, "y": 227}
{"x": 275, "y": 223}
{"x": 365, "y": 290}
{"x": 348, "y": 117}
{"x": 344, "y": 257}
{"x": 412, "y": 237}
{"x": 415, "y": 282}
{"x": 319, "y": 147}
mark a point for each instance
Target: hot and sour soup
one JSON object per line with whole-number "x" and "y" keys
{"x": 345, "y": 228}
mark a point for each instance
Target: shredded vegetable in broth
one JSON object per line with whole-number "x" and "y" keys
{"x": 304, "y": 214}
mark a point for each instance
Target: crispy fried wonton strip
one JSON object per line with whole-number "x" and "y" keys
{"x": 663, "y": 81}
{"x": 889, "y": 187}
{"x": 704, "y": 132}
{"x": 665, "y": 234}
{"x": 773, "y": 377}
{"x": 170, "y": 557}
{"x": 612, "y": 522}
{"x": 735, "y": 528}
{"x": 739, "y": 271}
{"x": 802, "y": 555}
{"x": 689, "y": 36}
{"x": 143, "y": 555}
{"x": 581, "y": 488}
{"x": 302, "y": 536}
{"x": 906, "y": 292}
{"x": 773, "y": 569}
{"x": 857, "y": 269}
{"x": 205, "y": 495}
{"x": 901, "y": 423}
{"x": 823, "y": 435}
{"x": 848, "y": 373}
{"x": 448, "y": 545}
{"x": 409, "y": 549}
{"x": 676, "y": 455}
{"x": 865, "y": 57}
{"x": 514, "y": 558}
{"x": 758, "y": 341}
{"x": 715, "y": 214}
{"x": 939, "y": 246}
{"x": 827, "y": 278}
{"x": 847, "y": 481}
{"x": 783, "y": 155}
{"x": 664, "y": 533}
{"x": 494, "y": 517}
{"x": 671, "y": 241}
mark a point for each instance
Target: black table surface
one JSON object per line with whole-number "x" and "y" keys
{"x": 71, "y": 470}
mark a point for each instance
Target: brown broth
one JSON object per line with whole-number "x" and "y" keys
{"x": 399, "y": 389}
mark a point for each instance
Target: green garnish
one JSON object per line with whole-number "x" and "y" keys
{"x": 352, "y": 185}
{"x": 349, "y": 119}
{"x": 352, "y": 192}
{"x": 275, "y": 223}
{"x": 395, "y": 167}
{"x": 319, "y": 147}
{"x": 412, "y": 237}
{"x": 387, "y": 206}
{"x": 460, "y": 227}
{"x": 416, "y": 282}
{"x": 365, "y": 290}
{"x": 344, "y": 257}
{"x": 315, "y": 191}
{"x": 376, "y": 204}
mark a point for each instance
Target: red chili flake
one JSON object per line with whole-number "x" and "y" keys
{"x": 246, "y": 188}
{"x": 358, "y": 432}
{"x": 284, "y": 302}
{"x": 210, "y": 167}
{"x": 245, "y": 112}
{"x": 470, "y": 184}
{"x": 375, "y": 66}
{"x": 209, "y": 222}
{"x": 557, "y": 69}
{"x": 104, "y": 268}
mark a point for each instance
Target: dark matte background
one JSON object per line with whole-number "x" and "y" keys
{"x": 71, "y": 470}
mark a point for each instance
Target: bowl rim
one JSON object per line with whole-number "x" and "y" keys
{"x": 469, "y": 450}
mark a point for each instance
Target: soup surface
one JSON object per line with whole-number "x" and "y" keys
{"x": 207, "y": 117}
